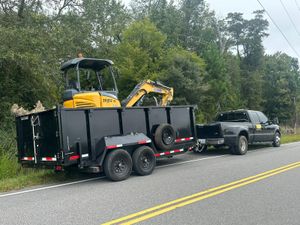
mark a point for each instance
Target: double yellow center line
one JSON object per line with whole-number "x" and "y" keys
{"x": 180, "y": 202}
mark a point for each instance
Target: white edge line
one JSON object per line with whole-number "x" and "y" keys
{"x": 193, "y": 160}
{"x": 50, "y": 187}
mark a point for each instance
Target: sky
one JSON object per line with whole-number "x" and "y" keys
{"x": 275, "y": 41}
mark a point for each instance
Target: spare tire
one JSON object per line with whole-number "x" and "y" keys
{"x": 165, "y": 136}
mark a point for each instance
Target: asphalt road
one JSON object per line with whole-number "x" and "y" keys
{"x": 269, "y": 198}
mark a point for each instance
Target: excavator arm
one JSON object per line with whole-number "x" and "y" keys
{"x": 145, "y": 87}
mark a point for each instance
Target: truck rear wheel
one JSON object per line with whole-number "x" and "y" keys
{"x": 165, "y": 137}
{"x": 144, "y": 160}
{"x": 118, "y": 165}
{"x": 242, "y": 146}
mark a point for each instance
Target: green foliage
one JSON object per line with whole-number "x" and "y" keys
{"x": 290, "y": 138}
{"x": 138, "y": 55}
{"x": 184, "y": 71}
{"x": 281, "y": 86}
{"x": 8, "y": 167}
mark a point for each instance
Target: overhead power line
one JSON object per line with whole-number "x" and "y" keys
{"x": 286, "y": 11}
{"x": 273, "y": 21}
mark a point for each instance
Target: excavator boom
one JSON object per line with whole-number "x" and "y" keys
{"x": 145, "y": 87}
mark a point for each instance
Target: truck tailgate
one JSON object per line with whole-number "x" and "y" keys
{"x": 209, "y": 131}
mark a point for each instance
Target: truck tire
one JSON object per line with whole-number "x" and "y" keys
{"x": 118, "y": 165}
{"x": 242, "y": 146}
{"x": 164, "y": 137}
{"x": 144, "y": 160}
{"x": 276, "y": 140}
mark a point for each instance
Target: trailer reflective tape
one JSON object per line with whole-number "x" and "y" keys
{"x": 169, "y": 153}
{"x": 27, "y": 158}
{"x": 85, "y": 155}
{"x": 114, "y": 146}
{"x": 74, "y": 157}
{"x": 184, "y": 139}
{"x": 144, "y": 142}
{"x": 51, "y": 159}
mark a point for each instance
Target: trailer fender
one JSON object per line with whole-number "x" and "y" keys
{"x": 133, "y": 140}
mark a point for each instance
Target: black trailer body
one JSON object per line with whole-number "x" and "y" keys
{"x": 84, "y": 137}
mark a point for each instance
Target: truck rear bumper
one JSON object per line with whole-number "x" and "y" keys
{"x": 212, "y": 141}
{"x": 227, "y": 140}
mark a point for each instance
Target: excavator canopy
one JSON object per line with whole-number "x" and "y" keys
{"x": 86, "y": 63}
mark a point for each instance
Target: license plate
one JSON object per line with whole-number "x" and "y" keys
{"x": 202, "y": 141}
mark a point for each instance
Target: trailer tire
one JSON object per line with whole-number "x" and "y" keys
{"x": 144, "y": 160}
{"x": 118, "y": 165}
{"x": 164, "y": 136}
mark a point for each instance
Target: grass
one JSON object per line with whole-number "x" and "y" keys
{"x": 14, "y": 177}
{"x": 29, "y": 177}
{"x": 287, "y": 138}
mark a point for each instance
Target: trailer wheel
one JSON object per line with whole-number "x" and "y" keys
{"x": 144, "y": 160}
{"x": 164, "y": 136}
{"x": 118, "y": 165}
{"x": 242, "y": 146}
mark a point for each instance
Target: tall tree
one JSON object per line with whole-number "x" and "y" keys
{"x": 281, "y": 87}
{"x": 184, "y": 71}
{"x": 138, "y": 54}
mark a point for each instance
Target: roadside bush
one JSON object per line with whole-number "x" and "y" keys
{"x": 8, "y": 142}
{"x": 9, "y": 167}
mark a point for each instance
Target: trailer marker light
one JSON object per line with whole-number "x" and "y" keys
{"x": 114, "y": 146}
{"x": 184, "y": 139}
{"x": 169, "y": 153}
{"x": 58, "y": 168}
{"x": 51, "y": 159}
{"x": 85, "y": 155}
{"x": 144, "y": 142}
{"x": 74, "y": 157}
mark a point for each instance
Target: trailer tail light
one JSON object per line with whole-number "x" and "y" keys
{"x": 74, "y": 157}
{"x": 184, "y": 139}
{"x": 27, "y": 158}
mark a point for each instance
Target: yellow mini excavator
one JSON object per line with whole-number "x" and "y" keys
{"x": 81, "y": 75}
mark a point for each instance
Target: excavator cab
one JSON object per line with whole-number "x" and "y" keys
{"x": 89, "y": 83}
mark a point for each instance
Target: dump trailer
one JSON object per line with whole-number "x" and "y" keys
{"x": 113, "y": 140}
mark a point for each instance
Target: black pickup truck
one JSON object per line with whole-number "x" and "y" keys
{"x": 237, "y": 129}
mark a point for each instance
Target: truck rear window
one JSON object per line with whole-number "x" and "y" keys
{"x": 233, "y": 117}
